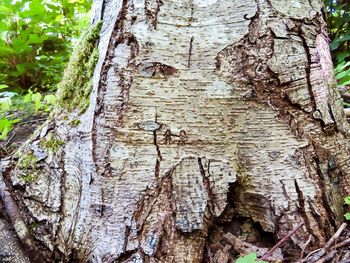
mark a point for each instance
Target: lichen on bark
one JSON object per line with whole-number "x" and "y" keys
{"x": 75, "y": 87}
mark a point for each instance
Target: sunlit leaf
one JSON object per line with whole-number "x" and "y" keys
{"x": 36, "y": 98}
{"x": 5, "y": 103}
{"x": 347, "y": 216}
{"x": 50, "y": 99}
{"x": 35, "y": 39}
{"x": 4, "y": 10}
{"x": 347, "y": 200}
{"x": 6, "y": 127}
{"x": 250, "y": 258}
{"x": 28, "y": 96}
{"x": 5, "y": 51}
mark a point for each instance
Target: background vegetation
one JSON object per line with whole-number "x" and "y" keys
{"x": 338, "y": 22}
{"x": 36, "y": 40}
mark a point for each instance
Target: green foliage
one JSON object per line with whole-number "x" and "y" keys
{"x": 250, "y": 258}
{"x": 338, "y": 22}
{"x": 39, "y": 101}
{"x": 35, "y": 40}
{"x": 75, "y": 87}
{"x": 347, "y": 202}
{"x": 6, "y": 127}
{"x": 11, "y": 104}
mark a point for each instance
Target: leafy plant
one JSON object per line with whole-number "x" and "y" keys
{"x": 250, "y": 258}
{"x": 6, "y": 127}
{"x": 35, "y": 40}
{"x": 11, "y": 104}
{"x": 347, "y": 202}
{"x": 338, "y": 22}
{"x": 342, "y": 73}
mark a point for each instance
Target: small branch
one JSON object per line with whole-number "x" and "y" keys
{"x": 310, "y": 254}
{"x": 335, "y": 237}
{"x": 305, "y": 246}
{"x": 11, "y": 250}
{"x": 344, "y": 243}
{"x": 281, "y": 242}
{"x": 328, "y": 246}
{"x": 10, "y": 139}
{"x": 14, "y": 213}
{"x": 31, "y": 121}
{"x": 327, "y": 257}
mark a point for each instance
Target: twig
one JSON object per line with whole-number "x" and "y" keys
{"x": 342, "y": 244}
{"x": 31, "y": 121}
{"x": 322, "y": 251}
{"x": 335, "y": 236}
{"x": 305, "y": 246}
{"x": 14, "y": 213}
{"x": 282, "y": 241}
{"x": 10, "y": 139}
{"x": 310, "y": 254}
{"x": 327, "y": 257}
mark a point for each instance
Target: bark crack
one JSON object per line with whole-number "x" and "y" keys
{"x": 155, "y": 142}
{"x": 307, "y": 66}
{"x": 206, "y": 183}
{"x": 301, "y": 205}
{"x": 190, "y": 52}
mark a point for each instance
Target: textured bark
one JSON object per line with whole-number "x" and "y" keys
{"x": 207, "y": 119}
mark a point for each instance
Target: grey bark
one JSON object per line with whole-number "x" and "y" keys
{"x": 206, "y": 119}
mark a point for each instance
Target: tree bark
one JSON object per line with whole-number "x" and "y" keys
{"x": 206, "y": 119}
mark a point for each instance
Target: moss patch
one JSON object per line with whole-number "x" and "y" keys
{"x": 32, "y": 227}
{"x": 75, "y": 123}
{"x": 29, "y": 178}
{"x": 27, "y": 164}
{"x": 75, "y": 88}
{"x": 27, "y": 161}
{"x": 51, "y": 143}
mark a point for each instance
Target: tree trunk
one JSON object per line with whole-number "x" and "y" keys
{"x": 208, "y": 121}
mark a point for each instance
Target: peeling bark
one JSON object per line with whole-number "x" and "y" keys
{"x": 207, "y": 120}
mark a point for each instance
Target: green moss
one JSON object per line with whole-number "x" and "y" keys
{"x": 51, "y": 143}
{"x": 27, "y": 160}
{"x": 29, "y": 178}
{"x": 32, "y": 227}
{"x": 75, "y": 123}
{"x": 75, "y": 88}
